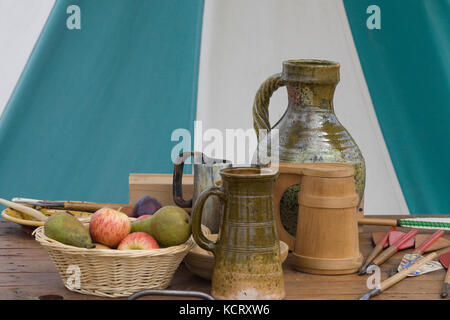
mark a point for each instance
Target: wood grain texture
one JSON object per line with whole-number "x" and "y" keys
{"x": 26, "y": 272}
{"x": 326, "y": 240}
{"x": 439, "y": 244}
{"x": 158, "y": 186}
{"x": 447, "y": 277}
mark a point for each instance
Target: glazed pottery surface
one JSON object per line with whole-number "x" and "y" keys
{"x": 309, "y": 130}
{"x": 247, "y": 252}
{"x": 201, "y": 262}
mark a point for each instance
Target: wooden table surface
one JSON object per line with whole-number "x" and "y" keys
{"x": 26, "y": 272}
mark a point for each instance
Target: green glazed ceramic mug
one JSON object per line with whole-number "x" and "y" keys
{"x": 247, "y": 252}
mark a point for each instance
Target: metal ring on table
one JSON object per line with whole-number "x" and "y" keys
{"x": 180, "y": 293}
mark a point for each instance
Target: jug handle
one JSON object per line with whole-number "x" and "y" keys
{"x": 177, "y": 184}
{"x": 197, "y": 213}
{"x": 261, "y": 104}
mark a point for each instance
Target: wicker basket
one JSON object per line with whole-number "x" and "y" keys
{"x": 113, "y": 273}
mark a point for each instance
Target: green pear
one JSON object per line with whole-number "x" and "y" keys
{"x": 170, "y": 226}
{"x": 65, "y": 228}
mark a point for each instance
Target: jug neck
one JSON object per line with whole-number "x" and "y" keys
{"x": 311, "y": 82}
{"x": 304, "y": 94}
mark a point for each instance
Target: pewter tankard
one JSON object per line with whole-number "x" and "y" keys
{"x": 206, "y": 174}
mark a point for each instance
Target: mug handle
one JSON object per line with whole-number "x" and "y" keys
{"x": 197, "y": 213}
{"x": 177, "y": 184}
{"x": 283, "y": 183}
{"x": 261, "y": 104}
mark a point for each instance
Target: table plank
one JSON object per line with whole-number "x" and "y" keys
{"x": 26, "y": 272}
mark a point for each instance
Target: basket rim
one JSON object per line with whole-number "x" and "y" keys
{"x": 55, "y": 245}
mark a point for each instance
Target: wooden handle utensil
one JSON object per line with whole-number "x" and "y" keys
{"x": 408, "y": 259}
{"x": 445, "y": 260}
{"x": 389, "y": 282}
{"x": 389, "y": 252}
{"x": 90, "y": 206}
{"x": 419, "y": 223}
{"x": 375, "y": 252}
{"x": 74, "y": 205}
{"x": 446, "y": 285}
{"x": 429, "y": 242}
{"x": 377, "y": 221}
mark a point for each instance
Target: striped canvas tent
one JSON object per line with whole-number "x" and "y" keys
{"x": 84, "y": 105}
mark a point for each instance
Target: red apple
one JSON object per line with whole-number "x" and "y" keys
{"x": 138, "y": 241}
{"x": 109, "y": 227}
{"x": 143, "y": 217}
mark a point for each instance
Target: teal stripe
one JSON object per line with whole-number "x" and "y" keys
{"x": 95, "y": 104}
{"x": 406, "y": 66}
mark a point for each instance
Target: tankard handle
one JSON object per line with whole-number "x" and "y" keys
{"x": 197, "y": 213}
{"x": 177, "y": 185}
{"x": 261, "y": 104}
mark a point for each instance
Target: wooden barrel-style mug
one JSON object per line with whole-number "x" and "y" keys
{"x": 326, "y": 240}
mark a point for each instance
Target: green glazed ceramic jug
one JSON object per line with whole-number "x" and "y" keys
{"x": 309, "y": 130}
{"x": 247, "y": 252}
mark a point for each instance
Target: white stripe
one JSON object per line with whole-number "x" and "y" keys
{"x": 443, "y": 220}
{"x": 245, "y": 41}
{"x": 21, "y": 23}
